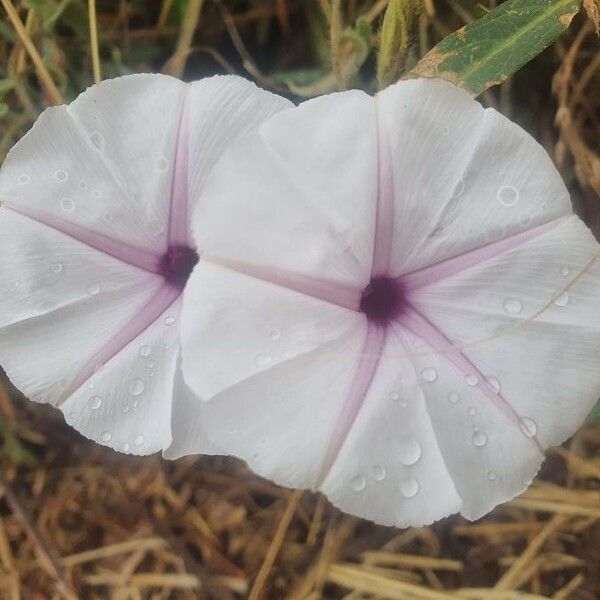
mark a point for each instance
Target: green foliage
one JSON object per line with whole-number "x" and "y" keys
{"x": 594, "y": 416}
{"x": 491, "y": 49}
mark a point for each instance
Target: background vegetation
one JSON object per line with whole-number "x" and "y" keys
{"x": 79, "y": 521}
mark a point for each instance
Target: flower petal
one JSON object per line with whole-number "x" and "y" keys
{"x": 308, "y": 175}
{"x": 269, "y": 359}
{"x": 462, "y": 176}
{"x": 103, "y": 163}
{"x": 529, "y": 319}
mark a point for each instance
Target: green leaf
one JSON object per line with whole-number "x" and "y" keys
{"x": 594, "y": 416}
{"x": 490, "y": 50}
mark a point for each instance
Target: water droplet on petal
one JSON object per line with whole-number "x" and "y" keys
{"x": 95, "y": 402}
{"x": 274, "y": 334}
{"x": 358, "y": 483}
{"x": 479, "y": 438}
{"x": 94, "y": 289}
{"x": 106, "y": 436}
{"x": 136, "y": 387}
{"x": 161, "y": 164}
{"x": 513, "y": 306}
{"x": 262, "y": 360}
{"x": 97, "y": 140}
{"x": 96, "y": 193}
{"x": 263, "y": 441}
{"x": 525, "y": 219}
{"x": 379, "y": 473}
{"x": 134, "y": 402}
{"x": 145, "y": 350}
{"x": 508, "y": 195}
{"x": 409, "y": 488}
{"x": 17, "y": 284}
{"x": 57, "y": 268}
{"x": 61, "y": 175}
{"x": 491, "y": 475}
{"x": 125, "y": 409}
{"x": 139, "y": 440}
{"x": 429, "y": 374}
{"x": 169, "y": 320}
{"x": 565, "y": 271}
{"x": 24, "y": 179}
{"x": 409, "y": 451}
{"x": 67, "y": 204}
{"x": 453, "y": 397}
{"x": 394, "y": 396}
{"x": 126, "y": 447}
{"x": 562, "y": 300}
{"x": 472, "y": 379}
{"x": 472, "y": 411}
{"x": 494, "y": 384}
{"x": 529, "y": 426}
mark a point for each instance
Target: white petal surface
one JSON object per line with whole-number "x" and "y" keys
{"x": 299, "y": 195}
{"x": 462, "y": 176}
{"x": 269, "y": 360}
{"x": 104, "y": 162}
{"x": 529, "y": 318}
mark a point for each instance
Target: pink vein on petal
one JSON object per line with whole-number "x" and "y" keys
{"x": 452, "y": 266}
{"x": 361, "y": 382}
{"x": 420, "y": 326}
{"x": 137, "y": 257}
{"x": 160, "y": 302}
{"x": 178, "y": 210}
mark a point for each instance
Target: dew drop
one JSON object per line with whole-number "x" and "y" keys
{"x": 67, "y": 204}
{"x": 232, "y": 429}
{"x": 97, "y": 140}
{"x": 134, "y": 403}
{"x": 95, "y": 402}
{"x": 479, "y": 438}
{"x": 94, "y": 289}
{"x": 61, "y": 175}
{"x": 513, "y": 306}
{"x": 394, "y": 396}
{"x": 562, "y": 300}
{"x": 525, "y": 219}
{"x": 429, "y": 374}
{"x": 358, "y": 483}
{"x": 126, "y": 447}
{"x": 161, "y": 164}
{"x": 529, "y": 426}
{"x": 508, "y": 195}
{"x": 139, "y": 440}
{"x": 409, "y": 451}
{"x": 57, "y": 268}
{"x": 472, "y": 379}
{"x": 106, "y": 436}
{"x": 125, "y": 409}
{"x": 24, "y": 179}
{"x": 96, "y": 193}
{"x": 472, "y": 411}
{"x": 263, "y": 441}
{"x": 403, "y": 403}
{"x": 16, "y": 284}
{"x": 459, "y": 188}
{"x": 274, "y": 334}
{"x": 565, "y": 271}
{"x": 136, "y": 387}
{"x": 491, "y": 475}
{"x": 453, "y": 397}
{"x": 494, "y": 384}
{"x": 262, "y": 360}
{"x": 169, "y": 320}
{"x": 409, "y": 488}
{"x": 145, "y": 350}
{"x": 379, "y": 473}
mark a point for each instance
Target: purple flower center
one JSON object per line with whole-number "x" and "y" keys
{"x": 383, "y": 300}
{"x": 177, "y": 264}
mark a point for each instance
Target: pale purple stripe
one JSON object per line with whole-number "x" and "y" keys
{"x": 148, "y": 314}
{"x": 363, "y": 376}
{"x": 452, "y": 266}
{"x": 122, "y": 251}
{"x": 420, "y": 326}
{"x": 334, "y": 293}
{"x": 384, "y": 218}
{"x": 179, "y": 233}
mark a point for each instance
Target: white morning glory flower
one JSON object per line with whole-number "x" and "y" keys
{"x": 96, "y": 251}
{"x": 394, "y": 305}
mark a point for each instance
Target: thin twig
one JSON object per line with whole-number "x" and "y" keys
{"x": 94, "y": 41}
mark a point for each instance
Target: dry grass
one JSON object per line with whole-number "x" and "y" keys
{"x": 79, "y": 521}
